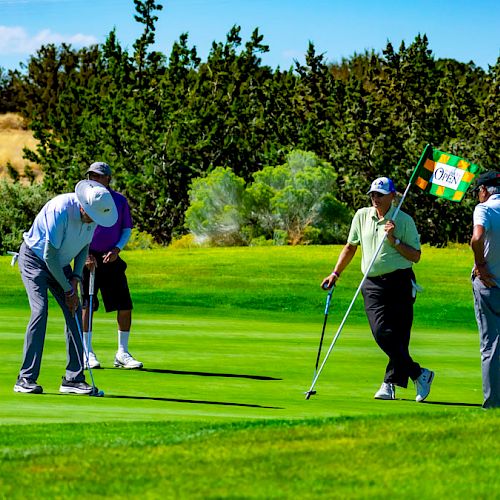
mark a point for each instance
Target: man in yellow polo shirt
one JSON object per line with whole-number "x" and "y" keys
{"x": 388, "y": 290}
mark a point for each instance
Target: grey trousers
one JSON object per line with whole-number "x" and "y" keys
{"x": 38, "y": 280}
{"x": 487, "y": 308}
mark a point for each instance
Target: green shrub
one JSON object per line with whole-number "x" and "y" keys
{"x": 19, "y": 205}
{"x": 215, "y": 211}
{"x": 185, "y": 241}
{"x": 294, "y": 203}
{"x": 311, "y": 236}
{"x": 296, "y": 197}
{"x": 141, "y": 240}
{"x": 261, "y": 241}
{"x": 280, "y": 237}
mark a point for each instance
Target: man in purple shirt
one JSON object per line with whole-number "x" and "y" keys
{"x": 110, "y": 276}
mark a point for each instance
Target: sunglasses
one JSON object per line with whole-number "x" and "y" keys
{"x": 376, "y": 195}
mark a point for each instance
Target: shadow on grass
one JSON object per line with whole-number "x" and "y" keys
{"x": 444, "y": 403}
{"x": 169, "y": 400}
{"x": 192, "y": 401}
{"x": 200, "y": 374}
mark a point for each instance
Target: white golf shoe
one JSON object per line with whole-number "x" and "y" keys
{"x": 386, "y": 391}
{"x": 93, "y": 362}
{"x": 423, "y": 384}
{"x": 124, "y": 359}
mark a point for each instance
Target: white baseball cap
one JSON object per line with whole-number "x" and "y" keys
{"x": 97, "y": 202}
{"x": 382, "y": 185}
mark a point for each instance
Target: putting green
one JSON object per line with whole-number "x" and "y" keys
{"x": 229, "y": 339}
{"x": 215, "y": 348}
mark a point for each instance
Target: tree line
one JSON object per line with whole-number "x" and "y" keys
{"x": 162, "y": 120}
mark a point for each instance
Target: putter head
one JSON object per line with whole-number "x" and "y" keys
{"x": 309, "y": 394}
{"x": 96, "y": 393}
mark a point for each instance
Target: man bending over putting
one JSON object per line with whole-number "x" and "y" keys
{"x": 60, "y": 235}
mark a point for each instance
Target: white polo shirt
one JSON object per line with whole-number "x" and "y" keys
{"x": 487, "y": 214}
{"x": 60, "y": 222}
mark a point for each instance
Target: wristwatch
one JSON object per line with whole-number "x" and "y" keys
{"x": 397, "y": 242}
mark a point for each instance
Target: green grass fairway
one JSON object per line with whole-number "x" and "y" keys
{"x": 229, "y": 339}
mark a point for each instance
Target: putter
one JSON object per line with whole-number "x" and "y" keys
{"x": 91, "y": 310}
{"x": 95, "y": 391}
{"x": 327, "y": 307}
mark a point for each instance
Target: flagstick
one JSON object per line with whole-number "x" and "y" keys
{"x": 396, "y": 212}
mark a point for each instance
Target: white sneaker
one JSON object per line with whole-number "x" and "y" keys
{"x": 93, "y": 362}
{"x": 423, "y": 384}
{"x": 386, "y": 391}
{"x": 126, "y": 360}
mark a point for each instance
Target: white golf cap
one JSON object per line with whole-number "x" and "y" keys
{"x": 382, "y": 185}
{"x": 97, "y": 202}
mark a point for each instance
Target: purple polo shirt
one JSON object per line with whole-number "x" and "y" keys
{"x": 106, "y": 238}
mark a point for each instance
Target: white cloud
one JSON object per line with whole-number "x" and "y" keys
{"x": 16, "y": 40}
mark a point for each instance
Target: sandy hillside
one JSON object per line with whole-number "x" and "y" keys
{"x": 14, "y": 136}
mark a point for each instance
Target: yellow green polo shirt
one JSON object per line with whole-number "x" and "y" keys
{"x": 368, "y": 231}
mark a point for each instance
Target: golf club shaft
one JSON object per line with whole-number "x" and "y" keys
{"x": 318, "y": 373}
{"x": 377, "y": 251}
{"x": 85, "y": 350}
{"x": 78, "y": 326}
{"x": 92, "y": 282}
{"x": 327, "y": 307}
{"x": 91, "y": 307}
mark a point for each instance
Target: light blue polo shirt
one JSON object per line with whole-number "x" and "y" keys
{"x": 487, "y": 214}
{"x": 368, "y": 231}
{"x": 60, "y": 222}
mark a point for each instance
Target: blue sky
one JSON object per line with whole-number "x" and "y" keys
{"x": 465, "y": 30}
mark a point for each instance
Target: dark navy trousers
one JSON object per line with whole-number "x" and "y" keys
{"x": 389, "y": 307}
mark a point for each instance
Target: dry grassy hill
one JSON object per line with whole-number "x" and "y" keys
{"x": 14, "y": 136}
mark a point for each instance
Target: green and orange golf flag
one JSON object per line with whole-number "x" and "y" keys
{"x": 443, "y": 175}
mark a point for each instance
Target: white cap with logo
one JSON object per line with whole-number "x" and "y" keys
{"x": 97, "y": 202}
{"x": 382, "y": 185}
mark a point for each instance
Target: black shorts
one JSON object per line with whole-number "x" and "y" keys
{"x": 111, "y": 281}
